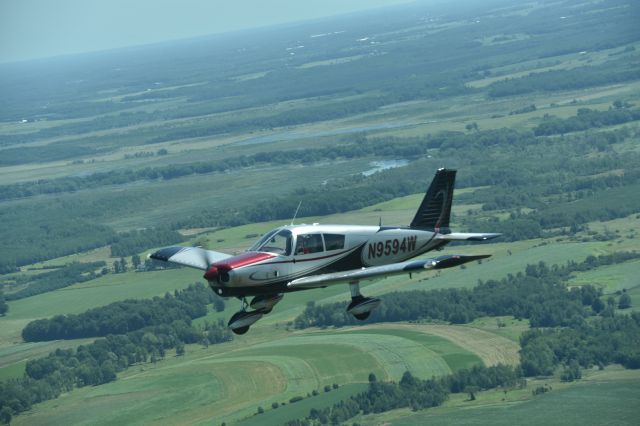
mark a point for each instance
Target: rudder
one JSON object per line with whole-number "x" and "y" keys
{"x": 435, "y": 209}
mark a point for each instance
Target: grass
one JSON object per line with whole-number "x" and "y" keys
{"x": 509, "y": 327}
{"x": 602, "y": 400}
{"x": 611, "y": 278}
{"x": 13, "y": 371}
{"x": 453, "y": 356}
{"x": 213, "y": 384}
{"x": 301, "y": 409}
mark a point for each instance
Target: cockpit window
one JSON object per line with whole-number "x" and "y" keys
{"x": 278, "y": 242}
{"x": 334, "y": 241}
{"x": 310, "y": 243}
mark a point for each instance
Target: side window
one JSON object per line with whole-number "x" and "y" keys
{"x": 311, "y": 243}
{"x": 334, "y": 241}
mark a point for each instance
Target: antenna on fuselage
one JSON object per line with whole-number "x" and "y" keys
{"x": 380, "y": 222}
{"x": 296, "y": 213}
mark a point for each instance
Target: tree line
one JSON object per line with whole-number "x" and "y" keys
{"x": 124, "y": 316}
{"x": 70, "y": 274}
{"x": 539, "y": 295}
{"x": 577, "y": 78}
{"x": 4, "y": 308}
{"x": 135, "y": 241}
{"x": 586, "y": 119}
{"x": 598, "y": 342}
{"x": 413, "y": 393}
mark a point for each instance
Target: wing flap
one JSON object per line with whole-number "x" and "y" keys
{"x": 193, "y": 257}
{"x": 378, "y": 272}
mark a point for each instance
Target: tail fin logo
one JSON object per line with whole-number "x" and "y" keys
{"x": 439, "y": 202}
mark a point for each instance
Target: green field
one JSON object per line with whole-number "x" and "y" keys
{"x": 271, "y": 366}
{"x": 602, "y": 399}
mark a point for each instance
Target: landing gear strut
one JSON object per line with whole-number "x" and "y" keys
{"x": 360, "y": 306}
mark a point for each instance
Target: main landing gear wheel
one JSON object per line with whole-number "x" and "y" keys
{"x": 360, "y": 306}
{"x": 363, "y": 316}
{"x": 242, "y": 320}
{"x": 240, "y": 331}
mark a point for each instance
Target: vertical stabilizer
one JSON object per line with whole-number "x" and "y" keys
{"x": 435, "y": 210}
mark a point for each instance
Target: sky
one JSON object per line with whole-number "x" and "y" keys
{"x": 31, "y": 29}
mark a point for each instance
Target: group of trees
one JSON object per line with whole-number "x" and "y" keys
{"x": 135, "y": 241}
{"x": 539, "y": 294}
{"x": 4, "y": 308}
{"x": 577, "y": 78}
{"x": 412, "y": 392}
{"x": 70, "y": 274}
{"x": 586, "y": 119}
{"x": 124, "y": 316}
{"x": 600, "y": 341}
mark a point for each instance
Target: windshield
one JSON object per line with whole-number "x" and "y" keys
{"x": 278, "y": 242}
{"x": 262, "y": 240}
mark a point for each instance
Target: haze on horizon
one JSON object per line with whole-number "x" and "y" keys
{"x": 33, "y": 29}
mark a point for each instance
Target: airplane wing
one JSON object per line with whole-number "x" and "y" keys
{"x": 466, "y": 236}
{"x": 377, "y": 272}
{"x": 194, "y": 257}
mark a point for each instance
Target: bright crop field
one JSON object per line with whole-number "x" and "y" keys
{"x": 213, "y": 384}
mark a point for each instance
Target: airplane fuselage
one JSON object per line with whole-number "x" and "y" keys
{"x": 292, "y": 252}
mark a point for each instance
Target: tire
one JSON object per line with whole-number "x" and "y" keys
{"x": 362, "y": 316}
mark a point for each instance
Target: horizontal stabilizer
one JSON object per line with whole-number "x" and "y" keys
{"x": 467, "y": 236}
{"x": 451, "y": 261}
{"x": 378, "y": 272}
{"x": 194, "y": 257}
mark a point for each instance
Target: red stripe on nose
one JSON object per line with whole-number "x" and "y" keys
{"x": 223, "y": 267}
{"x": 243, "y": 259}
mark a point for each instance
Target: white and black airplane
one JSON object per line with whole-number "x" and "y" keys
{"x": 301, "y": 257}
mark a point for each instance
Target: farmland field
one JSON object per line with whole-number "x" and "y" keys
{"x": 271, "y": 366}
{"x": 602, "y": 399}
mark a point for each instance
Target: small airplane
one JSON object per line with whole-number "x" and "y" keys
{"x": 300, "y": 257}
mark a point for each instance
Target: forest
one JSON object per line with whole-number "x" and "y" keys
{"x": 125, "y": 316}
